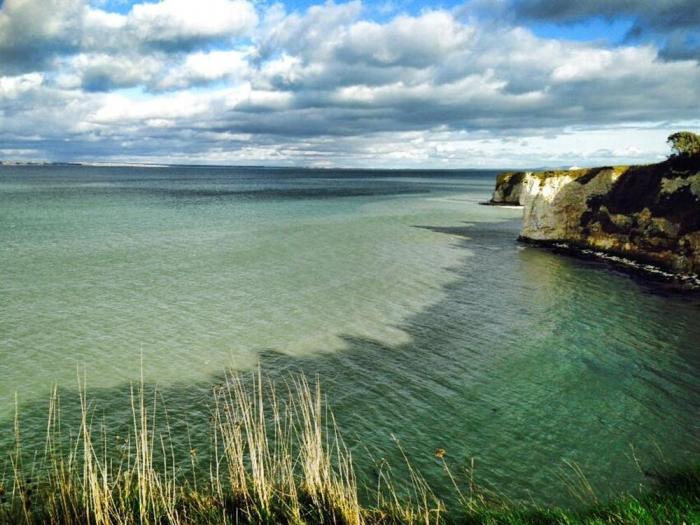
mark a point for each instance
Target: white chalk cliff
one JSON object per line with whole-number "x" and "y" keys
{"x": 647, "y": 213}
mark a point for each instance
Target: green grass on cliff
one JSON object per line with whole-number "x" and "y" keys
{"x": 674, "y": 166}
{"x": 276, "y": 457}
{"x": 515, "y": 177}
{"x": 673, "y": 499}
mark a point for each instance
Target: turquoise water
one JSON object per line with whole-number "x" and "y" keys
{"x": 425, "y": 321}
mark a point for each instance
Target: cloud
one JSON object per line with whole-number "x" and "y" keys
{"x": 202, "y": 68}
{"x": 666, "y": 14}
{"x": 676, "y": 21}
{"x": 432, "y": 70}
{"x": 13, "y": 87}
{"x": 104, "y": 72}
{"x": 185, "y": 23}
{"x": 310, "y": 34}
{"x": 34, "y": 32}
{"x": 396, "y": 44}
{"x": 326, "y": 85}
{"x": 31, "y": 32}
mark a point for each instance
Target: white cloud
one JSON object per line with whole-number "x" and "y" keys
{"x": 312, "y": 34}
{"x": 172, "y": 20}
{"x": 115, "y": 109}
{"x": 99, "y": 21}
{"x": 12, "y": 87}
{"x": 201, "y": 68}
{"x": 418, "y": 42}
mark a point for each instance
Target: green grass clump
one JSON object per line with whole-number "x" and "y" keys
{"x": 275, "y": 458}
{"x": 673, "y": 500}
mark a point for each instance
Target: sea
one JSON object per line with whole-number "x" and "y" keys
{"x": 427, "y": 325}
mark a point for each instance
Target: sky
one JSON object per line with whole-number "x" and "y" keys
{"x": 361, "y": 83}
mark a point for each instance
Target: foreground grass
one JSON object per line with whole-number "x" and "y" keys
{"x": 275, "y": 459}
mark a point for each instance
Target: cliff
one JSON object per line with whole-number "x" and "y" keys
{"x": 650, "y": 214}
{"x": 509, "y": 187}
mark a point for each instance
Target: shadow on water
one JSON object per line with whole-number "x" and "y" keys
{"x": 527, "y": 361}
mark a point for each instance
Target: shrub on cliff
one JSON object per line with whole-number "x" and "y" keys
{"x": 684, "y": 144}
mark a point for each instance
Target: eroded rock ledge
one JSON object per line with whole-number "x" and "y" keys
{"x": 649, "y": 214}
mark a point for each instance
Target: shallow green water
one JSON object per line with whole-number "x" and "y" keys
{"x": 416, "y": 308}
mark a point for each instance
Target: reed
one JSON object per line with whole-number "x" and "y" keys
{"x": 274, "y": 460}
{"x": 277, "y": 456}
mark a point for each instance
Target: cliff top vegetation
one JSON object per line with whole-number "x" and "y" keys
{"x": 684, "y": 144}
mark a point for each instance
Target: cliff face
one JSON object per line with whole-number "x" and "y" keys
{"x": 647, "y": 213}
{"x": 509, "y": 188}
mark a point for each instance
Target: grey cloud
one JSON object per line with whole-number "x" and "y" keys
{"x": 661, "y": 14}
{"x": 31, "y": 33}
{"x": 102, "y": 72}
{"x": 682, "y": 45}
{"x": 676, "y": 22}
{"x": 503, "y": 78}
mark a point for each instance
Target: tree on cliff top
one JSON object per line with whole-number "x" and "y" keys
{"x": 684, "y": 144}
